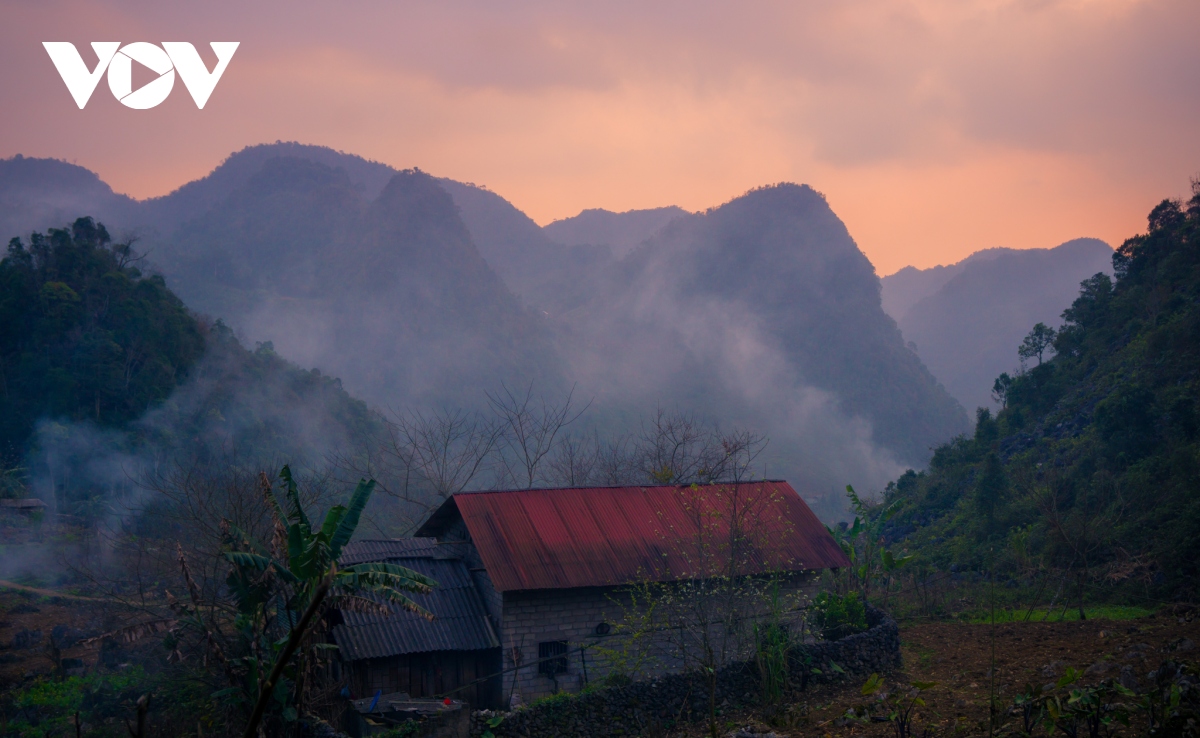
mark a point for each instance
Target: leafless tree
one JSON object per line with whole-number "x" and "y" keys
{"x": 676, "y": 448}
{"x": 617, "y": 462}
{"x": 530, "y": 426}
{"x": 575, "y": 460}
{"x": 448, "y": 448}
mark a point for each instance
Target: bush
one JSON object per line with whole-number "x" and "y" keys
{"x": 48, "y": 707}
{"x": 836, "y": 616}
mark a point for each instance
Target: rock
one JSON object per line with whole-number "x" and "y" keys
{"x": 1051, "y": 669}
{"x": 1098, "y": 668}
{"x": 1183, "y": 644}
{"x": 754, "y": 731}
{"x": 26, "y": 638}
{"x": 1128, "y": 679}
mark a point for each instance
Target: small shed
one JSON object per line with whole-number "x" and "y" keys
{"x": 453, "y": 654}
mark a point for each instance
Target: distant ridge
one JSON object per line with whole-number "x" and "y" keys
{"x": 622, "y": 232}
{"x": 967, "y": 319}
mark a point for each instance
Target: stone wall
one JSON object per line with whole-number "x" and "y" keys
{"x": 643, "y": 707}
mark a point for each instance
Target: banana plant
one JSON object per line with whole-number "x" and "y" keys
{"x": 289, "y": 587}
{"x": 862, "y": 542}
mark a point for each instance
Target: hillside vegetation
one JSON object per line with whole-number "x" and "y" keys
{"x": 1091, "y": 469}
{"x": 83, "y": 334}
{"x": 103, "y": 370}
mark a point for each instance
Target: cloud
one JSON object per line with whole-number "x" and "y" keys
{"x": 888, "y": 107}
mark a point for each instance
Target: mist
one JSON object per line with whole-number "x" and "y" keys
{"x": 425, "y": 295}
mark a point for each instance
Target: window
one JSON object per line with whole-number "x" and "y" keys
{"x": 552, "y": 658}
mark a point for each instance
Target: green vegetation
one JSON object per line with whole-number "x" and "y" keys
{"x": 288, "y": 587}
{"x": 837, "y": 616}
{"x": 102, "y": 701}
{"x": 103, "y": 369}
{"x": 84, "y": 335}
{"x": 1041, "y": 614}
{"x": 1089, "y": 476}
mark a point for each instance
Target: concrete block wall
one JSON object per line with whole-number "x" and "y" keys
{"x": 572, "y": 615}
{"x": 650, "y": 707}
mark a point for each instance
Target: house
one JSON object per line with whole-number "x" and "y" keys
{"x": 406, "y": 653}
{"x": 552, "y": 570}
{"x": 24, "y": 506}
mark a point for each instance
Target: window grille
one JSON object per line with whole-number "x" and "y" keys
{"x": 552, "y": 658}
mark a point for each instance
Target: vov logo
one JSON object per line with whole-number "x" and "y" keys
{"x": 163, "y": 60}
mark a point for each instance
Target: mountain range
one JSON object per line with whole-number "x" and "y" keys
{"x": 419, "y": 291}
{"x": 967, "y": 319}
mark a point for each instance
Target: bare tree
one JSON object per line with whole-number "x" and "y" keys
{"x": 447, "y": 448}
{"x": 676, "y": 448}
{"x": 575, "y": 460}
{"x": 531, "y": 427}
{"x": 617, "y": 462}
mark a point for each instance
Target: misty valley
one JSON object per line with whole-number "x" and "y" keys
{"x": 312, "y": 446}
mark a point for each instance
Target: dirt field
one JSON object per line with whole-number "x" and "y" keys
{"x": 958, "y": 657}
{"x": 26, "y": 626}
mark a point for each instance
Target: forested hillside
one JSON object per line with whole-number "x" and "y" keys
{"x": 104, "y": 372}
{"x": 1092, "y": 466}
{"x": 84, "y": 335}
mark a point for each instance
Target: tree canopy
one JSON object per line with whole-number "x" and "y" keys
{"x": 1092, "y": 465}
{"x": 84, "y": 334}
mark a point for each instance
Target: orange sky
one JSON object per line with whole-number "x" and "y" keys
{"x": 935, "y": 127}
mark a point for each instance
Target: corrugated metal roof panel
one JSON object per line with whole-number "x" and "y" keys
{"x": 361, "y": 551}
{"x": 602, "y": 536}
{"x": 460, "y": 622}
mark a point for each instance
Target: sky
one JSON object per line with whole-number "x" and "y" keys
{"x": 935, "y": 128}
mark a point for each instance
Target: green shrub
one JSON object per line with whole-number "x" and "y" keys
{"x": 48, "y": 707}
{"x": 836, "y": 616}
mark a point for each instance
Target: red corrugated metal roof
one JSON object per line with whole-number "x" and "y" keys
{"x": 600, "y": 536}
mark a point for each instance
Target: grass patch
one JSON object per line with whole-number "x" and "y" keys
{"x": 1041, "y": 615}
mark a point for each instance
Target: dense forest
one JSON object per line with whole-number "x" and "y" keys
{"x": 84, "y": 335}
{"x": 1091, "y": 468}
{"x": 101, "y": 364}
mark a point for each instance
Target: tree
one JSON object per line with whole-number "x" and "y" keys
{"x": 530, "y": 428}
{"x": 1000, "y": 389}
{"x": 1036, "y": 343}
{"x": 990, "y": 491}
{"x": 676, "y": 448}
{"x": 84, "y": 334}
{"x": 448, "y": 448}
{"x": 863, "y": 543}
{"x": 292, "y": 583}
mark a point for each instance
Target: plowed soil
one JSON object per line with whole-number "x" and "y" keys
{"x": 958, "y": 657}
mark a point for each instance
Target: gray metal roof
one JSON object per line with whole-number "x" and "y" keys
{"x": 358, "y": 552}
{"x": 459, "y": 622}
